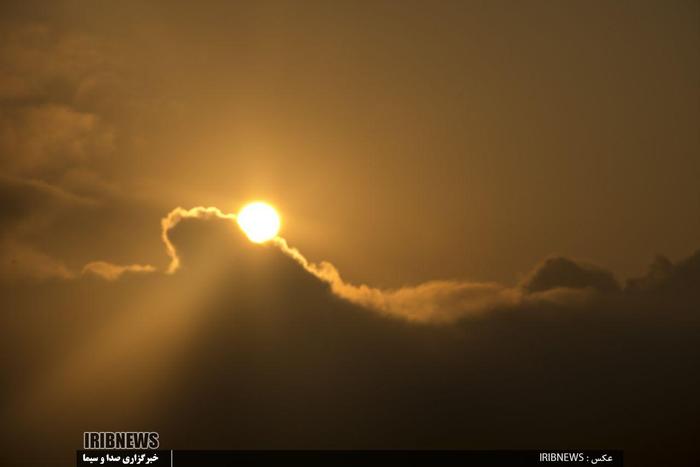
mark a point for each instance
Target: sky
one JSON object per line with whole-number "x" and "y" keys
{"x": 489, "y": 218}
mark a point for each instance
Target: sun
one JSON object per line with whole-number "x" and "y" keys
{"x": 259, "y": 221}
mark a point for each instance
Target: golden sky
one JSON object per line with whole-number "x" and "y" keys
{"x": 479, "y": 201}
{"x": 403, "y": 142}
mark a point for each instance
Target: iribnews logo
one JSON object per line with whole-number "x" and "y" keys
{"x": 120, "y": 440}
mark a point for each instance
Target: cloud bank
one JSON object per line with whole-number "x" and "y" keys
{"x": 259, "y": 334}
{"x": 556, "y": 280}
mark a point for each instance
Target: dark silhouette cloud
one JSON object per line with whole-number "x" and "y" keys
{"x": 563, "y": 272}
{"x": 30, "y": 207}
{"x": 243, "y": 348}
{"x": 666, "y": 278}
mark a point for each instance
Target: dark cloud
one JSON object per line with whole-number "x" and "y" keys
{"x": 666, "y": 278}
{"x": 243, "y": 348}
{"x": 30, "y": 207}
{"x": 563, "y": 272}
{"x": 22, "y": 199}
{"x": 21, "y": 261}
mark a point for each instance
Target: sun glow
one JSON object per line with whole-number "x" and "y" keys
{"x": 259, "y": 221}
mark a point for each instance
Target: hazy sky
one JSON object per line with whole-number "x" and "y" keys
{"x": 404, "y": 141}
{"x": 507, "y": 193}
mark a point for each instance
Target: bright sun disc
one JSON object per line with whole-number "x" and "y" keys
{"x": 259, "y": 221}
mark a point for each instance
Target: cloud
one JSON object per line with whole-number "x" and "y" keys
{"x": 112, "y": 272}
{"x": 44, "y": 63}
{"x": 435, "y": 301}
{"x": 52, "y": 138}
{"x": 302, "y": 359}
{"x": 30, "y": 207}
{"x": 558, "y": 272}
{"x": 38, "y": 139}
{"x": 23, "y": 261}
{"x": 667, "y": 278}
{"x": 23, "y": 197}
{"x": 43, "y": 126}
{"x": 298, "y": 365}
{"x": 557, "y": 280}
{"x": 173, "y": 219}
